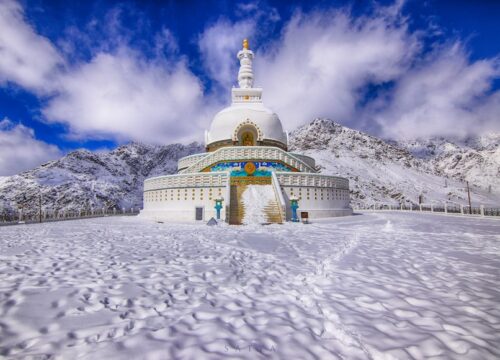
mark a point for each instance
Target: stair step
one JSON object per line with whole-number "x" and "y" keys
{"x": 237, "y": 209}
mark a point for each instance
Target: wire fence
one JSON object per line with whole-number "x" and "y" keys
{"x": 13, "y": 217}
{"x": 436, "y": 208}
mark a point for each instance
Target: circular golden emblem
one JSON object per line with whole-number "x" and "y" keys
{"x": 249, "y": 168}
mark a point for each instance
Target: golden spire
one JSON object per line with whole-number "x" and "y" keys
{"x": 245, "y": 44}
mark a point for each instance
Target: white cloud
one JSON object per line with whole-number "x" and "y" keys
{"x": 444, "y": 94}
{"x": 19, "y": 150}
{"x": 26, "y": 58}
{"x": 118, "y": 94}
{"x": 124, "y": 96}
{"x": 325, "y": 65}
{"x": 323, "y": 62}
{"x": 165, "y": 43}
{"x": 219, "y": 44}
{"x": 322, "y": 65}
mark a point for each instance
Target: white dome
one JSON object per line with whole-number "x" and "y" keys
{"x": 226, "y": 123}
{"x": 246, "y": 122}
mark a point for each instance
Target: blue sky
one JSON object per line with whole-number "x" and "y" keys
{"x": 98, "y": 74}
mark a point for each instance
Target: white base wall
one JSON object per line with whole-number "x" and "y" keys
{"x": 179, "y": 204}
{"x": 318, "y": 202}
{"x": 180, "y": 215}
{"x": 324, "y": 213}
{"x": 176, "y": 197}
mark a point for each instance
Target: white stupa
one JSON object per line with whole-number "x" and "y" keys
{"x": 246, "y": 113}
{"x": 247, "y": 174}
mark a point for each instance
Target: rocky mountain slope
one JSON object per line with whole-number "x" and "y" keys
{"x": 84, "y": 179}
{"x": 389, "y": 172}
{"x": 474, "y": 159}
{"x": 379, "y": 171}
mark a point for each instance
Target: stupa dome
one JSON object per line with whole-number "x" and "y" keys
{"x": 229, "y": 122}
{"x": 247, "y": 121}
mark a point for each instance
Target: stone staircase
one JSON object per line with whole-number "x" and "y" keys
{"x": 273, "y": 213}
{"x": 270, "y": 211}
{"x": 236, "y": 208}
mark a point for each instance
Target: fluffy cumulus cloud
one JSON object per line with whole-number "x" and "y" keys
{"x": 220, "y": 41}
{"x": 20, "y": 150}
{"x": 324, "y": 61}
{"x": 219, "y": 44}
{"x": 26, "y": 58}
{"x": 443, "y": 95}
{"x": 118, "y": 93}
{"x": 369, "y": 72}
{"x": 124, "y": 96}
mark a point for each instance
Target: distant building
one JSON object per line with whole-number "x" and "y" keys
{"x": 247, "y": 174}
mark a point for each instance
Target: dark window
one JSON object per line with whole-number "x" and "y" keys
{"x": 199, "y": 213}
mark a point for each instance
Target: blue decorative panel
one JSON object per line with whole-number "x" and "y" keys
{"x": 256, "y": 173}
{"x": 271, "y": 165}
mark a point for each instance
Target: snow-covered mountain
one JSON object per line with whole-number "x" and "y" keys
{"x": 391, "y": 172}
{"x": 379, "y": 171}
{"x": 475, "y": 159}
{"x": 84, "y": 179}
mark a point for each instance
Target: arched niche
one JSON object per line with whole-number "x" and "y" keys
{"x": 247, "y": 133}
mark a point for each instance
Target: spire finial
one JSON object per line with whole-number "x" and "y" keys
{"x": 245, "y": 75}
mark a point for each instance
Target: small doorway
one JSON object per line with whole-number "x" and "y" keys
{"x": 247, "y": 139}
{"x": 199, "y": 213}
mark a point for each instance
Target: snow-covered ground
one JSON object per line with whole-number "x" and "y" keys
{"x": 380, "y": 286}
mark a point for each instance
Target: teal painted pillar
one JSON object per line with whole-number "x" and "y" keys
{"x": 218, "y": 207}
{"x": 294, "y": 204}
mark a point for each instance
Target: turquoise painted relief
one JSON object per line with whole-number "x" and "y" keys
{"x": 256, "y": 173}
{"x": 270, "y": 165}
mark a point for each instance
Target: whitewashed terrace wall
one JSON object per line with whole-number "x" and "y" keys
{"x": 311, "y": 180}
{"x": 211, "y": 179}
{"x": 187, "y": 161}
{"x": 191, "y": 191}
{"x": 319, "y": 195}
{"x": 307, "y": 159}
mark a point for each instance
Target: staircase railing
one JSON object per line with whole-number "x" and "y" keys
{"x": 279, "y": 195}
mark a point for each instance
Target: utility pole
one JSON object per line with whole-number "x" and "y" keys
{"x": 468, "y": 193}
{"x": 40, "y": 208}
